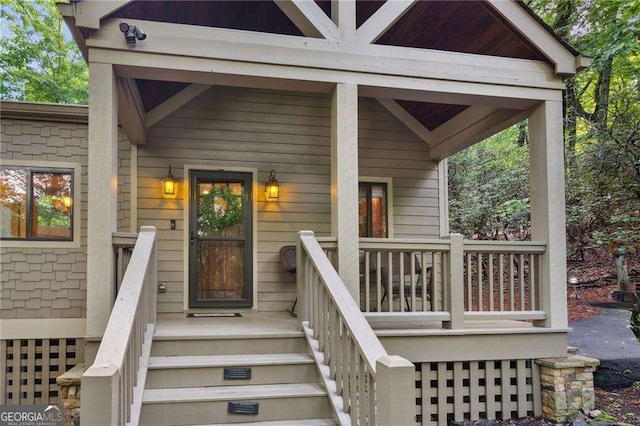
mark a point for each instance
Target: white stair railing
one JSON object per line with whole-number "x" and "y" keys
{"x": 365, "y": 384}
{"x": 112, "y": 387}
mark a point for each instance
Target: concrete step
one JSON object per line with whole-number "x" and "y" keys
{"x": 209, "y": 405}
{"x": 199, "y": 371}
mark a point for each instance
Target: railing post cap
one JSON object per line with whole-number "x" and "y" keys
{"x": 453, "y": 237}
{"x": 147, "y": 229}
{"x": 101, "y": 370}
{"x": 305, "y": 233}
{"x": 394, "y": 361}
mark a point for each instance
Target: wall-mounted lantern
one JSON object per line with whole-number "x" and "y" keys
{"x": 170, "y": 185}
{"x": 271, "y": 187}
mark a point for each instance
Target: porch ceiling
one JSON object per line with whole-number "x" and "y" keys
{"x": 467, "y": 27}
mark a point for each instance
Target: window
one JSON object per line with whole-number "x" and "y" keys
{"x": 372, "y": 210}
{"x": 36, "y": 203}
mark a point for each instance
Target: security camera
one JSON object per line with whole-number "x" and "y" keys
{"x": 131, "y": 33}
{"x": 140, "y": 35}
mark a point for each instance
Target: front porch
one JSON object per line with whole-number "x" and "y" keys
{"x": 333, "y": 100}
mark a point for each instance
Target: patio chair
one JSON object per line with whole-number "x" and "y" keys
{"x": 395, "y": 278}
{"x": 288, "y": 259}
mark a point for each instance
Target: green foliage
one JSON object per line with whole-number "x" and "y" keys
{"x": 220, "y": 209}
{"x": 602, "y": 139}
{"x": 37, "y": 62}
{"x": 489, "y": 186}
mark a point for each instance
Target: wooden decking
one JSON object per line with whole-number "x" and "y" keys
{"x": 282, "y": 324}
{"x": 250, "y": 324}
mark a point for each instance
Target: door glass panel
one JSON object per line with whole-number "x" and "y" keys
{"x": 378, "y": 211}
{"x": 220, "y": 210}
{"x": 220, "y": 270}
{"x": 363, "y": 211}
{"x": 220, "y": 241}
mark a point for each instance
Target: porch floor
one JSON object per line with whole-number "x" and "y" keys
{"x": 271, "y": 324}
{"x": 282, "y": 324}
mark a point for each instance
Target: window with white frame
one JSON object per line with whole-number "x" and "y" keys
{"x": 36, "y": 203}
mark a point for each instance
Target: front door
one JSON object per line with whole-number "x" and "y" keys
{"x": 220, "y": 240}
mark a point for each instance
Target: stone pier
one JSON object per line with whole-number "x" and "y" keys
{"x": 567, "y": 387}
{"x": 69, "y": 391}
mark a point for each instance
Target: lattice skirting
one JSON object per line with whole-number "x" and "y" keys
{"x": 474, "y": 390}
{"x": 29, "y": 368}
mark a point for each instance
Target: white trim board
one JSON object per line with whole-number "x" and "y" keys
{"x": 42, "y": 328}
{"x": 185, "y": 197}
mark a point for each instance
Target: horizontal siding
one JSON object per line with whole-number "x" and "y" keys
{"x": 250, "y": 129}
{"x": 389, "y": 149}
{"x": 289, "y": 133}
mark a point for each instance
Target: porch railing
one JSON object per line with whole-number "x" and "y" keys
{"x": 451, "y": 279}
{"x": 366, "y": 385}
{"x": 501, "y": 280}
{"x": 112, "y": 387}
{"x": 123, "y": 244}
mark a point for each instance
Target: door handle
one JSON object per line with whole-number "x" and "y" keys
{"x": 191, "y": 239}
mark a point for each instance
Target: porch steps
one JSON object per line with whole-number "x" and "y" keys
{"x": 186, "y": 386}
{"x": 194, "y": 371}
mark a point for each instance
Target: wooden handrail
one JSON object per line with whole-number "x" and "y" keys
{"x": 525, "y": 247}
{"x": 112, "y": 387}
{"x": 366, "y": 339}
{"x": 365, "y": 384}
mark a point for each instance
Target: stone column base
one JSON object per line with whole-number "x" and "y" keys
{"x": 69, "y": 391}
{"x": 567, "y": 387}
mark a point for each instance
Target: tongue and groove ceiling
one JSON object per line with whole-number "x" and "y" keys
{"x": 455, "y": 26}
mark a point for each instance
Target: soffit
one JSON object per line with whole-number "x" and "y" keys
{"x": 458, "y": 26}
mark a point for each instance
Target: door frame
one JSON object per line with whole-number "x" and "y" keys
{"x": 186, "y": 194}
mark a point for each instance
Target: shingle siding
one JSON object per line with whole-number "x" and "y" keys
{"x": 39, "y": 282}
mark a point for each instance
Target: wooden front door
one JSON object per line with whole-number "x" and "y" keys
{"x": 220, "y": 240}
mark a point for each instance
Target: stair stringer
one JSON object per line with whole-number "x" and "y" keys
{"x": 325, "y": 374}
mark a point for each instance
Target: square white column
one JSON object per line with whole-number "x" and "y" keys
{"x": 344, "y": 183}
{"x": 102, "y": 201}
{"x": 546, "y": 151}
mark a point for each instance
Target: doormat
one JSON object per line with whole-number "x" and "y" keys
{"x": 229, "y": 315}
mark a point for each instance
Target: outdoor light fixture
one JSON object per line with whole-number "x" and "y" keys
{"x": 271, "y": 187}
{"x": 169, "y": 185}
{"x": 573, "y": 279}
{"x": 131, "y": 33}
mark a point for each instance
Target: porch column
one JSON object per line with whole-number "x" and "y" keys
{"x": 102, "y": 201}
{"x": 344, "y": 183}
{"x": 546, "y": 164}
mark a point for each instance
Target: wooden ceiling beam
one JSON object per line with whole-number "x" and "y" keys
{"x": 343, "y": 14}
{"x": 88, "y": 13}
{"x": 564, "y": 60}
{"x": 165, "y": 67}
{"x": 407, "y": 119}
{"x": 174, "y": 103}
{"x": 131, "y": 111}
{"x": 471, "y": 126}
{"x": 382, "y": 20}
{"x": 214, "y": 43}
{"x": 309, "y": 18}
